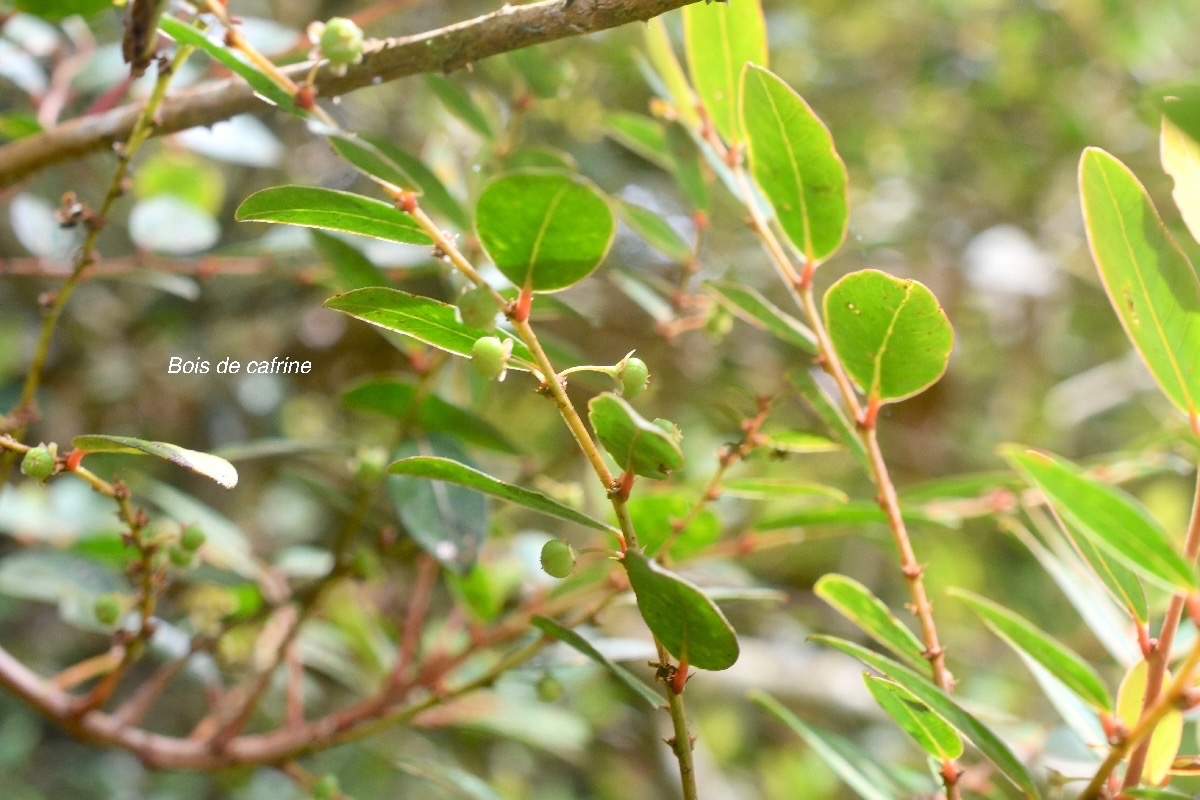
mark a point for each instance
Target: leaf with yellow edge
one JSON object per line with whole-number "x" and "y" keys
{"x": 1165, "y": 741}
{"x": 1180, "y": 155}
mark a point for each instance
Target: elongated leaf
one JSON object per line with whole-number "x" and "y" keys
{"x": 369, "y": 160}
{"x": 1180, "y": 155}
{"x": 795, "y": 163}
{"x": 543, "y": 229}
{"x": 941, "y": 704}
{"x": 858, "y": 604}
{"x": 458, "y": 781}
{"x": 1110, "y": 518}
{"x": 932, "y": 733}
{"x": 670, "y": 71}
{"x": 424, "y": 319}
{"x": 685, "y": 620}
{"x": 641, "y": 135}
{"x": 831, "y": 414}
{"x": 1020, "y": 634}
{"x": 352, "y": 269}
{"x": 205, "y": 464}
{"x": 449, "y": 522}
{"x": 759, "y": 488}
{"x": 394, "y": 398}
{"x": 448, "y": 471}
{"x": 314, "y": 207}
{"x": 435, "y": 195}
{"x": 1120, "y": 581}
{"x": 458, "y": 101}
{"x": 1151, "y": 284}
{"x": 799, "y": 442}
{"x": 854, "y": 512}
{"x": 719, "y": 41}
{"x": 636, "y": 444}
{"x": 752, "y": 307}
{"x": 1167, "y": 736}
{"x": 574, "y": 640}
{"x": 891, "y": 334}
{"x": 654, "y": 230}
{"x": 185, "y": 34}
{"x": 688, "y": 168}
{"x": 859, "y": 770}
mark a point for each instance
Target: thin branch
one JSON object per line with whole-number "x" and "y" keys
{"x": 442, "y": 50}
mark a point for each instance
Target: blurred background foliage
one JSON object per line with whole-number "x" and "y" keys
{"x": 961, "y": 122}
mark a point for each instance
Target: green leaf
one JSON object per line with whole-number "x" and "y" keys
{"x": 639, "y": 134}
{"x": 450, "y": 471}
{"x": 719, "y": 41}
{"x": 435, "y": 195}
{"x": 351, "y": 269}
{"x": 856, "y": 603}
{"x": 753, "y": 308}
{"x": 394, "y": 398}
{"x": 1124, "y": 586}
{"x": 574, "y": 640}
{"x": 798, "y": 442}
{"x": 859, "y": 770}
{"x": 655, "y": 231}
{"x": 1167, "y": 735}
{"x": 891, "y": 335}
{"x": 185, "y": 34}
{"x": 205, "y": 464}
{"x": 670, "y": 71}
{"x": 653, "y": 517}
{"x": 458, "y": 101}
{"x": 422, "y": 318}
{"x": 1181, "y": 160}
{"x": 636, "y": 444}
{"x": 758, "y": 488}
{"x": 542, "y": 229}
{"x": 1110, "y": 518}
{"x": 688, "y": 169}
{"x": 315, "y": 207}
{"x": 545, "y": 78}
{"x": 1151, "y": 284}
{"x": 449, "y": 522}
{"x": 854, "y": 512}
{"x": 680, "y": 615}
{"x": 1075, "y": 673}
{"x": 932, "y": 733}
{"x": 1180, "y": 103}
{"x": 370, "y": 161}
{"x": 69, "y": 580}
{"x": 992, "y": 747}
{"x": 1151, "y": 793}
{"x": 795, "y": 163}
{"x": 831, "y": 414}
{"x": 456, "y": 780}
{"x": 58, "y": 10}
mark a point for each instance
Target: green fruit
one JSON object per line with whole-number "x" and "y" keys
{"x": 181, "y": 557}
{"x": 549, "y": 689}
{"x": 558, "y": 559}
{"x": 38, "y": 463}
{"x": 108, "y": 609}
{"x": 633, "y": 375}
{"x": 192, "y": 538}
{"x": 489, "y": 356}
{"x": 326, "y": 787}
{"x": 341, "y": 41}
{"x": 478, "y": 308}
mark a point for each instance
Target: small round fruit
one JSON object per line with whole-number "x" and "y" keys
{"x": 478, "y": 308}
{"x": 181, "y": 557}
{"x": 549, "y": 688}
{"x": 558, "y": 559}
{"x": 326, "y": 787}
{"x": 341, "y": 41}
{"x": 192, "y": 538}
{"x": 38, "y": 463}
{"x": 108, "y": 608}
{"x": 489, "y": 356}
{"x": 633, "y": 375}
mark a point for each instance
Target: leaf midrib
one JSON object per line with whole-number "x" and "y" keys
{"x": 809, "y": 248}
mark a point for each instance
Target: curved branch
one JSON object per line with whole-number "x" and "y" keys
{"x": 442, "y": 50}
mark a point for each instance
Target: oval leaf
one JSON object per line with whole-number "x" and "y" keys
{"x": 545, "y": 230}
{"x": 1167, "y": 736}
{"x": 683, "y": 618}
{"x": 205, "y": 464}
{"x": 856, "y": 603}
{"x": 315, "y": 207}
{"x": 422, "y": 318}
{"x": 574, "y": 640}
{"x": 932, "y": 733}
{"x": 1151, "y": 284}
{"x": 1075, "y": 673}
{"x": 449, "y": 471}
{"x": 795, "y": 163}
{"x": 891, "y": 334}
{"x": 636, "y": 444}
{"x": 941, "y": 704}
{"x": 1106, "y": 515}
{"x": 719, "y": 40}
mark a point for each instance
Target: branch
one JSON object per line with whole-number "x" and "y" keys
{"x": 442, "y": 50}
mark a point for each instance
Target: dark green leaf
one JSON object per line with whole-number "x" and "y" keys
{"x": 352, "y": 269}
{"x": 653, "y": 517}
{"x": 369, "y": 160}
{"x": 459, "y": 102}
{"x": 435, "y": 194}
{"x": 574, "y": 640}
{"x": 204, "y": 464}
{"x": 636, "y": 444}
{"x": 314, "y": 207}
{"x": 394, "y": 398}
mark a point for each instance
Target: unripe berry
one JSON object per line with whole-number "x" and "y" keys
{"x": 107, "y": 609}
{"x": 549, "y": 688}
{"x": 326, "y": 787}
{"x": 478, "y": 308}
{"x": 181, "y": 557}
{"x": 489, "y": 356}
{"x": 341, "y": 42}
{"x": 192, "y": 538}
{"x": 633, "y": 375}
{"x": 558, "y": 559}
{"x": 38, "y": 463}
